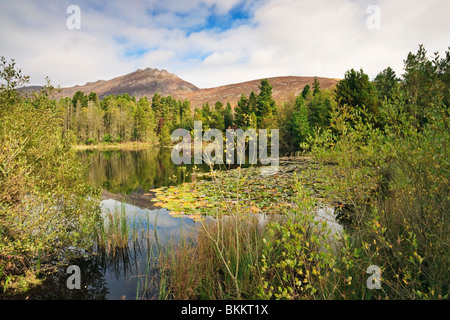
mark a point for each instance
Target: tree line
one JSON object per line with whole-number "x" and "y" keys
{"x": 122, "y": 118}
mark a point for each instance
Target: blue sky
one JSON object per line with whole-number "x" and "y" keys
{"x": 217, "y": 42}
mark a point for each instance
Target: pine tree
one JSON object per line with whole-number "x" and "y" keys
{"x": 241, "y": 112}
{"x": 165, "y": 136}
{"x": 265, "y": 106}
{"x": 299, "y": 122}
{"x": 356, "y": 91}
{"x": 157, "y": 105}
{"x": 218, "y": 106}
{"x": 185, "y": 112}
{"x": 386, "y": 83}
{"x": 228, "y": 116}
{"x": 306, "y": 90}
{"x": 94, "y": 98}
{"x": 144, "y": 121}
{"x": 79, "y": 96}
{"x": 316, "y": 86}
{"x": 422, "y": 82}
{"x": 252, "y": 103}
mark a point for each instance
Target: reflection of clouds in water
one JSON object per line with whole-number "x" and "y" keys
{"x": 122, "y": 277}
{"x": 161, "y": 216}
{"x": 327, "y": 214}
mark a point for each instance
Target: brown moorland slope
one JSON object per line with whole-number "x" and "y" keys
{"x": 139, "y": 83}
{"x": 147, "y": 82}
{"x": 283, "y": 89}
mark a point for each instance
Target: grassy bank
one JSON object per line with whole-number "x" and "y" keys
{"x": 136, "y": 145}
{"x": 294, "y": 255}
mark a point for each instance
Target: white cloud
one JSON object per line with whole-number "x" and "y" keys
{"x": 283, "y": 37}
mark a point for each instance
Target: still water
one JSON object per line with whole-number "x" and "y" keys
{"x": 126, "y": 178}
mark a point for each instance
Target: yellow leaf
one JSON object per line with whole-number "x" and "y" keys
{"x": 159, "y": 204}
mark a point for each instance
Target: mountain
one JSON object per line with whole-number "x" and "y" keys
{"x": 149, "y": 81}
{"x": 138, "y": 83}
{"x": 283, "y": 89}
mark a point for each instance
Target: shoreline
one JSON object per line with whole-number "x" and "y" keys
{"x": 121, "y": 146}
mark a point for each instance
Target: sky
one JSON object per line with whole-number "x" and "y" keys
{"x": 217, "y": 42}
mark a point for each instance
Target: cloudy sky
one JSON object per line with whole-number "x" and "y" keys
{"x": 211, "y": 43}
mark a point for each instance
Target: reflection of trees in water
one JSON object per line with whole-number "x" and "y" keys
{"x": 93, "y": 285}
{"x": 136, "y": 265}
{"x": 125, "y": 171}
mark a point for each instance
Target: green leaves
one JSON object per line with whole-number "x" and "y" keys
{"x": 221, "y": 191}
{"x": 45, "y": 205}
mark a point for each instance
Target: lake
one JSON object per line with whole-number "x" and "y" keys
{"x": 126, "y": 178}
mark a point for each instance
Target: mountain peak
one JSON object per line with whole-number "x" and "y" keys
{"x": 142, "y": 82}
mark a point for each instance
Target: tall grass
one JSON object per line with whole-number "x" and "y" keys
{"x": 220, "y": 258}
{"x": 217, "y": 261}
{"x": 114, "y": 231}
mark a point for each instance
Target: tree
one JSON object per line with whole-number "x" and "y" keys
{"x": 252, "y": 103}
{"x": 228, "y": 116}
{"x": 94, "y": 98}
{"x": 423, "y": 83}
{"x": 320, "y": 107}
{"x": 444, "y": 76}
{"x": 218, "y": 106}
{"x": 157, "y": 105}
{"x": 306, "y": 90}
{"x": 144, "y": 121}
{"x": 206, "y": 116}
{"x": 241, "y": 112}
{"x": 316, "y": 86}
{"x": 185, "y": 111}
{"x": 299, "y": 122}
{"x": 165, "y": 137}
{"x": 217, "y": 117}
{"x": 11, "y": 78}
{"x": 265, "y": 106}
{"x": 217, "y": 120}
{"x": 386, "y": 83}
{"x": 80, "y": 96}
{"x": 46, "y": 207}
{"x": 356, "y": 91}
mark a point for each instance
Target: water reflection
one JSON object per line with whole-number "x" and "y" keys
{"x": 124, "y": 172}
{"x": 131, "y": 273}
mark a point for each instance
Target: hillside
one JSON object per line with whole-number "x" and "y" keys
{"x": 138, "y": 83}
{"x": 149, "y": 81}
{"x": 284, "y": 88}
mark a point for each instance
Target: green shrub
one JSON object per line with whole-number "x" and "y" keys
{"x": 46, "y": 209}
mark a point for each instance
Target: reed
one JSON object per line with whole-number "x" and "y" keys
{"x": 217, "y": 260}
{"x": 113, "y": 232}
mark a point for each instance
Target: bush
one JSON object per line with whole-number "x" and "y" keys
{"x": 46, "y": 209}
{"x": 91, "y": 141}
{"x": 396, "y": 180}
{"x": 107, "y": 138}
